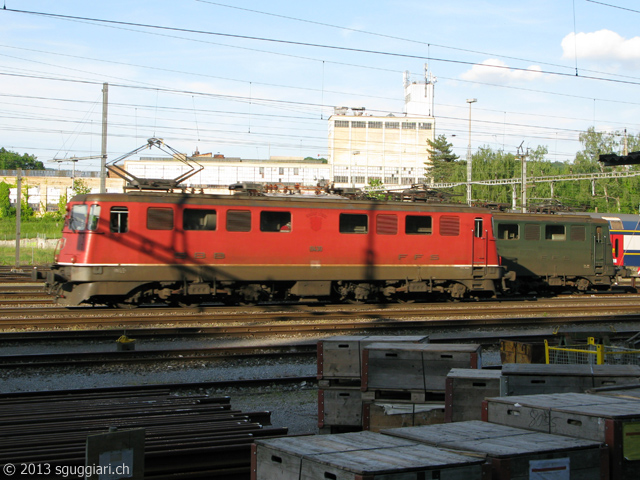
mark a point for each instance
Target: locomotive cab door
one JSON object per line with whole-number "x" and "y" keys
{"x": 599, "y": 246}
{"x": 479, "y": 240}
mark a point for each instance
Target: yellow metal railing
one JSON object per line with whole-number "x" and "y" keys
{"x": 591, "y": 354}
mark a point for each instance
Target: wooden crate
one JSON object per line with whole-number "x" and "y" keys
{"x": 379, "y": 415}
{"x": 615, "y": 375}
{"x": 523, "y": 379}
{"x": 340, "y": 407}
{"x": 611, "y": 420}
{"x": 396, "y": 463}
{"x": 339, "y": 357}
{"x": 281, "y": 458}
{"x": 465, "y": 390}
{"x": 631, "y": 392}
{"x": 533, "y": 379}
{"x": 515, "y": 453}
{"x": 521, "y": 352}
{"x": 415, "y": 366}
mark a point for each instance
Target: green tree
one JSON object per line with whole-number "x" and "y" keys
{"x": 80, "y": 187}
{"x": 5, "y": 201}
{"x": 440, "y": 167}
{"x": 11, "y": 161}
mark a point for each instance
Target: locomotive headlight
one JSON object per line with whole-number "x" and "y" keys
{"x": 73, "y": 259}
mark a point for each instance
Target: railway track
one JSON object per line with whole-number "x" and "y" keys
{"x": 182, "y": 355}
{"x": 301, "y": 318}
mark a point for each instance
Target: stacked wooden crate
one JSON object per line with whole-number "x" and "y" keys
{"x": 524, "y": 379}
{"x": 356, "y": 456}
{"x": 515, "y": 453}
{"x": 373, "y": 382}
{"x": 467, "y": 388}
{"x": 340, "y": 404}
{"x": 404, "y": 385}
{"x": 607, "y": 419}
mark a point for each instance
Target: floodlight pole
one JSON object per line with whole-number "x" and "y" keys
{"x": 469, "y": 101}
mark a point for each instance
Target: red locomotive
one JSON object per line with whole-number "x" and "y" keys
{"x": 184, "y": 249}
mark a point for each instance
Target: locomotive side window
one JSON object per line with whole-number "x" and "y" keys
{"x": 193, "y": 219}
{"x": 78, "y": 219}
{"x": 449, "y": 226}
{"x": 119, "y": 220}
{"x": 160, "y": 218}
{"x": 275, "y": 221}
{"x": 532, "y": 231}
{"x": 386, "y": 224}
{"x": 418, "y": 225}
{"x": 555, "y": 232}
{"x": 353, "y": 223}
{"x": 578, "y": 233}
{"x": 509, "y": 231}
{"x": 238, "y": 220}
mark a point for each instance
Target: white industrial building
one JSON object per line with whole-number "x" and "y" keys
{"x": 392, "y": 149}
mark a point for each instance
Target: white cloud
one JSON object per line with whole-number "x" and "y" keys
{"x": 601, "y": 45}
{"x": 496, "y": 71}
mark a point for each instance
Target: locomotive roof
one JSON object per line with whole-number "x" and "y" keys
{"x": 547, "y": 217}
{"x": 281, "y": 201}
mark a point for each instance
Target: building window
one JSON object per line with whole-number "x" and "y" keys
{"x": 238, "y": 220}
{"x": 375, "y": 124}
{"x": 353, "y": 223}
{"x": 392, "y": 125}
{"x": 341, "y": 123}
{"x": 418, "y": 225}
{"x": 160, "y": 218}
{"x": 408, "y": 125}
{"x": 424, "y": 126}
{"x": 358, "y": 124}
{"x": 119, "y": 220}
{"x": 275, "y": 221}
{"x": 193, "y": 219}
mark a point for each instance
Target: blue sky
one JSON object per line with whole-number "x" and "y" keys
{"x": 252, "y": 79}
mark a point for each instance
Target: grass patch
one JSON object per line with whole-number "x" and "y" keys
{"x": 30, "y": 228}
{"x": 28, "y": 256}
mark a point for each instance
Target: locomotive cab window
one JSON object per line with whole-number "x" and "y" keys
{"x": 275, "y": 221}
{"x": 119, "y": 220}
{"x": 555, "y": 232}
{"x": 508, "y": 231}
{"x": 160, "y": 218}
{"x": 238, "y": 220}
{"x": 418, "y": 225}
{"x": 196, "y": 219}
{"x": 354, "y": 223}
{"x": 78, "y": 218}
